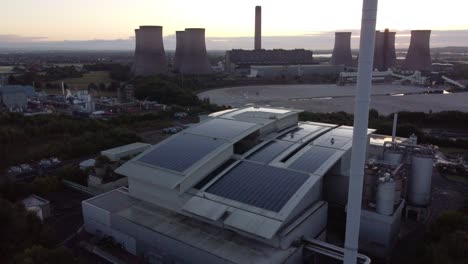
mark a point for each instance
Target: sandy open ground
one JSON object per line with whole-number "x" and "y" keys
{"x": 332, "y": 98}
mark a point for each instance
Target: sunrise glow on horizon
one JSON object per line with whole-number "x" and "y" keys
{"x": 116, "y": 19}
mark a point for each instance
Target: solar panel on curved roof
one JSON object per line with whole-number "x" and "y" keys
{"x": 312, "y": 159}
{"x": 258, "y": 185}
{"x": 221, "y": 128}
{"x": 181, "y": 152}
{"x": 270, "y": 151}
{"x": 299, "y": 133}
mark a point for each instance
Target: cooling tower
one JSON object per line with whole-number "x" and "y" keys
{"x": 384, "y": 53}
{"x": 195, "y": 59}
{"x": 150, "y": 56}
{"x": 418, "y": 57}
{"x": 258, "y": 28}
{"x": 342, "y": 50}
{"x": 137, "y": 50}
{"x": 179, "y": 53}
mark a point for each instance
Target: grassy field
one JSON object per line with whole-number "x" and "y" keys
{"x": 82, "y": 83}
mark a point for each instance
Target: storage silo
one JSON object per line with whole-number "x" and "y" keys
{"x": 420, "y": 179}
{"x": 151, "y": 57}
{"x": 342, "y": 50}
{"x": 195, "y": 60}
{"x": 392, "y": 156}
{"x": 179, "y": 52}
{"x": 385, "y": 196}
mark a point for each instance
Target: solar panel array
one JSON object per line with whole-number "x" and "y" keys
{"x": 221, "y": 128}
{"x": 181, "y": 152}
{"x": 312, "y": 159}
{"x": 270, "y": 151}
{"x": 258, "y": 185}
{"x": 300, "y": 132}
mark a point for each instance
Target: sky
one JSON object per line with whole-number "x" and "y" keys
{"x": 82, "y": 20}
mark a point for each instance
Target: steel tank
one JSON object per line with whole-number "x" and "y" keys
{"x": 385, "y": 196}
{"x": 420, "y": 179}
{"x": 393, "y": 156}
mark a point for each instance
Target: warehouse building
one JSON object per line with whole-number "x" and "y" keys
{"x": 250, "y": 185}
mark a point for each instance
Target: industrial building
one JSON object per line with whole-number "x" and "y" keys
{"x": 150, "y": 57}
{"x": 293, "y": 71}
{"x": 15, "y": 97}
{"x": 241, "y": 60}
{"x": 102, "y": 177}
{"x": 342, "y": 50}
{"x": 254, "y": 185}
{"x": 418, "y": 57}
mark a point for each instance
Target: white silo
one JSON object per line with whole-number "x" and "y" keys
{"x": 419, "y": 181}
{"x": 385, "y": 196}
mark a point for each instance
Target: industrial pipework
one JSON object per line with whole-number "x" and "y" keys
{"x": 361, "y": 121}
{"x": 195, "y": 59}
{"x": 342, "y": 50}
{"x": 418, "y": 57}
{"x": 150, "y": 57}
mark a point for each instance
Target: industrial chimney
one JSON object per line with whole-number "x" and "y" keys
{"x": 384, "y": 52}
{"x": 150, "y": 55}
{"x": 258, "y": 28}
{"x": 195, "y": 60}
{"x": 179, "y": 52}
{"x": 418, "y": 57}
{"x": 342, "y": 50}
{"x": 137, "y": 50}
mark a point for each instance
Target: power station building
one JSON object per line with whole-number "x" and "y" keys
{"x": 241, "y": 60}
{"x": 342, "y": 50}
{"x": 418, "y": 57}
{"x": 250, "y": 185}
{"x": 384, "y": 52}
{"x": 191, "y": 55}
{"x": 150, "y": 57}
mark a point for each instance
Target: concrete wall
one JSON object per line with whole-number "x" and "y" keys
{"x": 162, "y": 247}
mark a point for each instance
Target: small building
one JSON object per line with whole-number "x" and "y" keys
{"x": 87, "y": 164}
{"x": 15, "y": 97}
{"x": 103, "y": 177}
{"x": 37, "y": 205}
{"x": 115, "y": 154}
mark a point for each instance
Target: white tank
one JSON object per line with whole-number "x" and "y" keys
{"x": 393, "y": 157}
{"x": 385, "y": 196}
{"x": 419, "y": 181}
